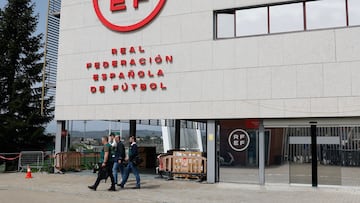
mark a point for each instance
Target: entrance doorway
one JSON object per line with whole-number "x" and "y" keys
{"x": 239, "y": 151}
{"x": 337, "y": 157}
{"x": 288, "y": 153}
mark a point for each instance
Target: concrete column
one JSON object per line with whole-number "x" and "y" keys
{"x": 60, "y": 125}
{"x": 132, "y": 130}
{"x": 261, "y": 153}
{"x": 166, "y": 133}
{"x": 59, "y": 128}
{"x": 177, "y": 133}
{"x": 314, "y": 168}
{"x": 211, "y": 152}
{"x": 199, "y": 140}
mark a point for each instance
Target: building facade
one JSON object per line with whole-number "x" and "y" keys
{"x": 275, "y": 81}
{"x": 51, "y": 50}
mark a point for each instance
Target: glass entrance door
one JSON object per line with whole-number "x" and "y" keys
{"x": 327, "y": 158}
{"x": 299, "y": 154}
{"x": 239, "y": 152}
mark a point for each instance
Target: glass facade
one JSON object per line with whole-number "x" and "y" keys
{"x": 288, "y": 154}
{"x": 52, "y": 44}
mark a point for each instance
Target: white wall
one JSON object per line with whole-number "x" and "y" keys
{"x": 304, "y": 74}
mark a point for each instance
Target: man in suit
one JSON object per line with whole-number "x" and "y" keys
{"x": 106, "y": 166}
{"x": 119, "y": 159}
{"x": 132, "y": 167}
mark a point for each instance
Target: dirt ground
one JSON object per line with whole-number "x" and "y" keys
{"x": 46, "y": 188}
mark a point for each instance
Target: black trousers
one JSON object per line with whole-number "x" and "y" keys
{"x": 104, "y": 173}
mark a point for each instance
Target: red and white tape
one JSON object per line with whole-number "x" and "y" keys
{"x": 9, "y": 159}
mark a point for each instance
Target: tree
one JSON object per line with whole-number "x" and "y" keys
{"x": 22, "y": 126}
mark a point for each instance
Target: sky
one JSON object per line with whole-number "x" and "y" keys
{"x": 40, "y": 8}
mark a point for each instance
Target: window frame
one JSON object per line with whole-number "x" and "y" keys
{"x": 268, "y": 6}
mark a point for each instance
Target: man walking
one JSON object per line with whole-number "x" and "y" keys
{"x": 106, "y": 166}
{"x": 119, "y": 159}
{"x": 132, "y": 164}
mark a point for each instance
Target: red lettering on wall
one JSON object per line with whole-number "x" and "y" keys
{"x": 106, "y": 64}
{"x": 153, "y": 86}
{"x": 134, "y": 86}
{"x": 112, "y": 75}
{"x": 125, "y": 87}
{"x": 114, "y": 64}
{"x": 142, "y": 61}
{"x": 132, "y": 62}
{"x": 131, "y": 74}
{"x": 125, "y": 74}
{"x": 150, "y": 74}
{"x": 102, "y": 89}
{"x": 117, "y": 5}
{"x": 169, "y": 59}
{"x": 104, "y": 77}
{"x": 136, "y": 4}
{"x": 160, "y": 73}
{"x": 121, "y": 75}
{"x": 93, "y": 89}
{"x": 97, "y": 65}
{"x": 115, "y": 88}
{"x": 96, "y": 77}
{"x": 162, "y": 86}
{"x": 123, "y": 51}
{"x": 143, "y": 86}
{"x": 141, "y": 74}
{"x": 132, "y": 50}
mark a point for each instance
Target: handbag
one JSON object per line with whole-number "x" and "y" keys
{"x": 103, "y": 174}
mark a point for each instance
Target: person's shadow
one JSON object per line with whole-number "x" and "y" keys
{"x": 144, "y": 185}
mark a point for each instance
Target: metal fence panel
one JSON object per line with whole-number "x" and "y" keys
{"x": 34, "y": 159}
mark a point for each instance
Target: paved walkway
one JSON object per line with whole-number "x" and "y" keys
{"x": 50, "y": 188}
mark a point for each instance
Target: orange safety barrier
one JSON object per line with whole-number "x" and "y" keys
{"x": 68, "y": 160}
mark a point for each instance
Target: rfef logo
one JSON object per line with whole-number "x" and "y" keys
{"x": 121, "y": 6}
{"x": 239, "y": 140}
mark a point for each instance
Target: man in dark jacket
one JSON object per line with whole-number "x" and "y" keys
{"x": 133, "y": 155}
{"x": 106, "y": 166}
{"x": 119, "y": 159}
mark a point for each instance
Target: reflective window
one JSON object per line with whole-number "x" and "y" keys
{"x": 354, "y": 12}
{"x": 251, "y": 21}
{"x": 286, "y": 18}
{"x": 325, "y": 14}
{"x": 225, "y": 25}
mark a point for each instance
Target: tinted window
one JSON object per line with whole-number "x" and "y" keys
{"x": 285, "y": 18}
{"x": 251, "y": 21}
{"x": 325, "y": 14}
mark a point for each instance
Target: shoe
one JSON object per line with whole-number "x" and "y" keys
{"x": 120, "y": 186}
{"x": 112, "y": 188}
{"x": 137, "y": 187}
{"x": 92, "y": 187}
